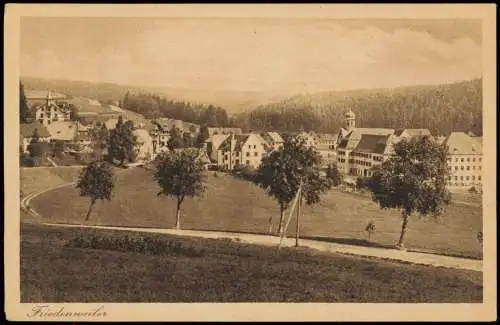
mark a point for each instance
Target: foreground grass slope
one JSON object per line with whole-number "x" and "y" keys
{"x": 54, "y": 271}
{"x": 234, "y": 205}
{"x": 41, "y": 178}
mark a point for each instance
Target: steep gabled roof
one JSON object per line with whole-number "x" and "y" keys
{"x": 370, "y": 143}
{"x": 63, "y": 130}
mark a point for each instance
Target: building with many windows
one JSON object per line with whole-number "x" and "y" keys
{"x": 361, "y": 149}
{"x": 242, "y": 150}
{"x": 465, "y": 155}
{"x": 51, "y": 111}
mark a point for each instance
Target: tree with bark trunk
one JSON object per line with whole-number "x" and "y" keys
{"x": 121, "y": 142}
{"x": 282, "y": 170}
{"x": 96, "y": 181}
{"x": 179, "y": 174}
{"x": 413, "y": 180}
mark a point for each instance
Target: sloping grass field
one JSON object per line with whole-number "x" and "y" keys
{"x": 234, "y": 205}
{"x": 57, "y": 267}
{"x": 41, "y": 178}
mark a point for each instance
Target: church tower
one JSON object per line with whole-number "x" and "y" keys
{"x": 350, "y": 120}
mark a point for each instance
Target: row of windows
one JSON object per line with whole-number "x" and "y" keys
{"x": 468, "y": 167}
{"x": 237, "y": 162}
{"x": 468, "y": 159}
{"x": 256, "y": 154}
{"x": 465, "y": 177}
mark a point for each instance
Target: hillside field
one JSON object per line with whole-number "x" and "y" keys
{"x": 235, "y": 205}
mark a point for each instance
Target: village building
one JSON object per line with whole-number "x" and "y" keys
{"x": 242, "y": 150}
{"x": 144, "y": 145}
{"x": 274, "y": 139}
{"x": 27, "y": 130}
{"x": 359, "y": 150}
{"x": 326, "y": 145}
{"x": 464, "y": 160}
{"x": 216, "y": 131}
{"x": 51, "y": 111}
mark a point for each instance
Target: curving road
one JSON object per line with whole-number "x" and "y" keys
{"x": 268, "y": 240}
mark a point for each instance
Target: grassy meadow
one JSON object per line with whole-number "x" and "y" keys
{"x": 234, "y": 205}
{"x": 41, "y": 178}
{"x": 55, "y": 268}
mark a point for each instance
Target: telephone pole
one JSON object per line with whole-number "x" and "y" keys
{"x": 297, "y": 226}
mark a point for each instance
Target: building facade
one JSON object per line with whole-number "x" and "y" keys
{"x": 242, "y": 150}
{"x": 465, "y": 160}
{"x": 50, "y": 111}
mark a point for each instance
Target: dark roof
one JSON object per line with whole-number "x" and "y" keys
{"x": 239, "y": 141}
{"x": 372, "y": 143}
{"x": 27, "y": 129}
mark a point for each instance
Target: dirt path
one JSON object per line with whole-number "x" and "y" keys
{"x": 383, "y": 253}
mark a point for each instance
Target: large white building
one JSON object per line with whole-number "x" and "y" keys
{"x": 242, "y": 150}
{"x": 465, "y": 160}
{"x": 361, "y": 149}
{"x": 50, "y": 111}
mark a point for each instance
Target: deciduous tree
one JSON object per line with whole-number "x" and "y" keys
{"x": 180, "y": 174}
{"x": 334, "y": 174}
{"x": 121, "y": 142}
{"x": 413, "y": 180}
{"x": 96, "y": 182}
{"x": 282, "y": 171}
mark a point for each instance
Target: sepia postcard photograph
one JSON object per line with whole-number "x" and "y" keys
{"x": 250, "y": 162}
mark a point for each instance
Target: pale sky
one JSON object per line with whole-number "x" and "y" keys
{"x": 269, "y": 55}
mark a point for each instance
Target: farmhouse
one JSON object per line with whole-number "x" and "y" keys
{"x": 27, "y": 131}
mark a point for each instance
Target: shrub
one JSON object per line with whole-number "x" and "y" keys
{"x": 362, "y": 183}
{"x": 138, "y": 244}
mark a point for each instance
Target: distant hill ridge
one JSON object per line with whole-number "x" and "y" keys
{"x": 440, "y": 108}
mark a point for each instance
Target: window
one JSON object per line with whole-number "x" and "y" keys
{"x": 479, "y": 167}
{"x": 456, "y": 159}
{"x": 456, "y": 167}
{"x": 473, "y": 178}
{"x": 462, "y": 159}
{"x": 249, "y": 147}
{"x": 473, "y": 159}
{"x": 248, "y": 162}
{"x": 468, "y": 159}
{"x": 473, "y": 167}
{"x": 479, "y": 159}
{"x": 479, "y": 178}
{"x": 248, "y": 154}
{"x": 461, "y": 178}
{"x": 461, "y": 167}
{"x": 449, "y": 178}
{"x": 468, "y": 167}
{"x": 467, "y": 178}
{"x": 456, "y": 178}
{"x": 255, "y": 146}
{"x": 256, "y": 154}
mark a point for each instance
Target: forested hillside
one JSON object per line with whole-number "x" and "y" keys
{"x": 442, "y": 109}
{"x": 152, "y": 105}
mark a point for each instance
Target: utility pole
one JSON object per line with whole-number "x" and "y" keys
{"x": 298, "y": 216}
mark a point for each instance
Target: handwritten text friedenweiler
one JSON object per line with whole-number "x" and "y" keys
{"x": 46, "y": 311}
